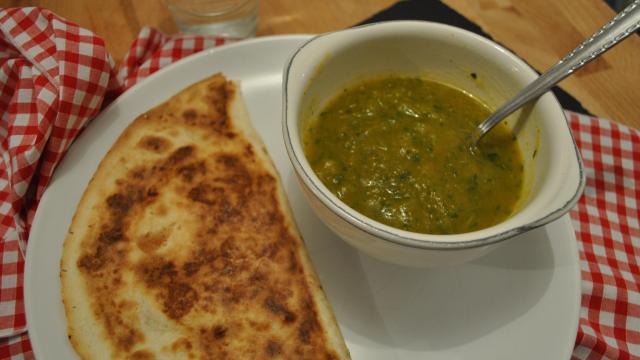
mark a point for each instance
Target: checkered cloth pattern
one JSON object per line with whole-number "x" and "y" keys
{"x": 54, "y": 78}
{"x": 606, "y": 220}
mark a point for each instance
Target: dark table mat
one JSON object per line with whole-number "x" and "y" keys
{"x": 436, "y": 11}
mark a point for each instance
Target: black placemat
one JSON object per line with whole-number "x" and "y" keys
{"x": 437, "y": 11}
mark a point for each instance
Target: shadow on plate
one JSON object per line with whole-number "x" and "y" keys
{"x": 424, "y": 309}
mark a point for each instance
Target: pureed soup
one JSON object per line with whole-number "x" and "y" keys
{"x": 397, "y": 149}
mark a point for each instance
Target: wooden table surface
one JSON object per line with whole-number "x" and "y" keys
{"x": 539, "y": 31}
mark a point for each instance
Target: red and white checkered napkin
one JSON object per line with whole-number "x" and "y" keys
{"x": 54, "y": 77}
{"x": 606, "y": 223}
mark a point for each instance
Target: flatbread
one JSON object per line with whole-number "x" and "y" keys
{"x": 183, "y": 245}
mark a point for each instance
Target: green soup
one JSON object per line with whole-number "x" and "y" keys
{"x": 396, "y": 149}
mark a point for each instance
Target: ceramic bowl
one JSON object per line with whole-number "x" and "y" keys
{"x": 319, "y": 69}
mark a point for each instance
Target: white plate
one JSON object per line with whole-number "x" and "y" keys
{"x": 519, "y": 302}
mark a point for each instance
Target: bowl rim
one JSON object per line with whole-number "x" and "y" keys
{"x": 403, "y": 237}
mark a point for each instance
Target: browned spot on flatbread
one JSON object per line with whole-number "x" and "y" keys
{"x": 142, "y": 355}
{"x": 138, "y": 174}
{"x": 111, "y": 235}
{"x": 113, "y": 229}
{"x": 219, "y": 332}
{"x": 157, "y": 273}
{"x": 119, "y": 202}
{"x": 182, "y": 153}
{"x": 182, "y": 344}
{"x": 279, "y": 309}
{"x": 273, "y": 348}
{"x": 203, "y": 258}
{"x": 179, "y": 300}
{"x": 206, "y": 194}
{"x": 309, "y": 324}
{"x": 176, "y": 296}
{"x": 155, "y": 144}
{"x": 190, "y": 171}
{"x": 128, "y": 338}
{"x": 151, "y": 242}
{"x": 248, "y": 151}
{"x": 189, "y": 115}
{"x": 216, "y": 117}
{"x": 93, "y": 262}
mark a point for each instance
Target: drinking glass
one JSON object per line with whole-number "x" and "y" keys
{"x": 226, "y": 18}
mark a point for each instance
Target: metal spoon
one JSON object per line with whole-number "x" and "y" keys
{"x": 621, "y": 26}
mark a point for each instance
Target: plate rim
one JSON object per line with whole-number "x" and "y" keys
{"x": 30, "y": 268}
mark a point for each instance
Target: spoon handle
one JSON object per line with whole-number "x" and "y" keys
{"x": 616, "y": 30}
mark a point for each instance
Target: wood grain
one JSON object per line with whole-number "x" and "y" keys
{"x": 540, "y": 32}
{"x": 119, "y": 21}
{"x": 314, "y": 16}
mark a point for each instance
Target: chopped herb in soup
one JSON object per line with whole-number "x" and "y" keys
{"x": 396, "y": 149}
